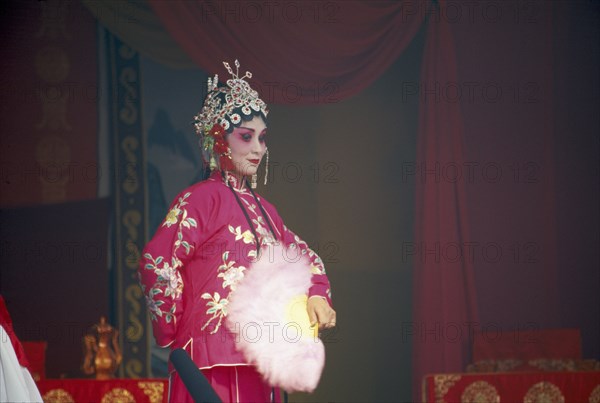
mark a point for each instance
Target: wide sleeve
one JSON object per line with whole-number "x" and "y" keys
{"x": 320, "y": 283}
{"x": 165, "y": 256}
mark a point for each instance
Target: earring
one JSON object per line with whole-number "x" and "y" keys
{"x": 253, "y": 181}
{"x": 267, "y": 167}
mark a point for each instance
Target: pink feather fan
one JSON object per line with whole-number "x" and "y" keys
{"x": 267, "y": 313}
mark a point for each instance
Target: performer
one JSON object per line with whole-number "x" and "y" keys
{"x": 208, "y": 240}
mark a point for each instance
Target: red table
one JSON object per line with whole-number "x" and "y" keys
{"x": 114, "y": 390}
{"x": 512, "y": 387}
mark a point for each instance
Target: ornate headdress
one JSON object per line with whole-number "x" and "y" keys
{"x": 225, "y": 107}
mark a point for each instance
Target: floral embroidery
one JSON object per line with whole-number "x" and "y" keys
{"x": 174, "y": 285}
{"x": 168, "y": 282}
{"x": 186, "y": 222}
{"x": 173, "y": 214}
{"x": 265, "y": 235}
{"x": 316, "y": 266}
{"x": 168, "y": 279}
{"x": 251, "y": 206}
{"x": 217, "y": 307}
{"x": 230, "y": 274}
{"x": 246, "y": 236}
{"x": 172, "y": 217}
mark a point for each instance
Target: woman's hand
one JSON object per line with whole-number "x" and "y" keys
{"x": 320, "y": 312}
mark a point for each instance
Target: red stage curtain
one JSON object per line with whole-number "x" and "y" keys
{"x": 444, "y": 295}
{"x": 511, "y": 129}
{"x": 304, "y": 52}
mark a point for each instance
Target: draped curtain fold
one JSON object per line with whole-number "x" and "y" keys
{"x": 317, "y": 55}
{"x": 444, "y": 298}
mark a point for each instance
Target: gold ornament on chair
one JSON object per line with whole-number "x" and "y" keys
{"x": 102, "y": 352}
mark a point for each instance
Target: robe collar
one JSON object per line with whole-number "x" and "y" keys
{"x": 239, "y": 186}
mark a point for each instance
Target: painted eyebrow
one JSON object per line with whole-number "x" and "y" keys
{"x": 252, "y": 130}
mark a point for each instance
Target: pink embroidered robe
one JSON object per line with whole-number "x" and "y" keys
{"x": 196, "y": 258}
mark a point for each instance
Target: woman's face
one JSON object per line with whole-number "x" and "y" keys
{"x": 248, "y": 146}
